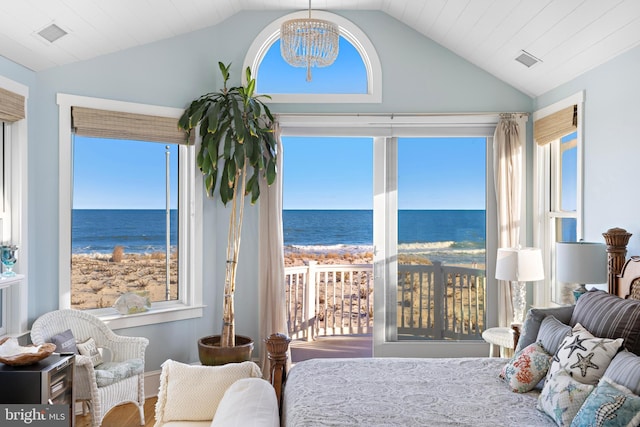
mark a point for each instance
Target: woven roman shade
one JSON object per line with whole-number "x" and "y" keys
{"x": 129, "y": 126}
{"x": 11, "y": 106}
{"x": 555, "y": 125}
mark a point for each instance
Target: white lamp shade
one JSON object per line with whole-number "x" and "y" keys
{"x": 581, "y": 262}
{"x": 519, "y": 264}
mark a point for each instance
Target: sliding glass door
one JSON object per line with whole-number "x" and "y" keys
{"x": 431, "y": 251}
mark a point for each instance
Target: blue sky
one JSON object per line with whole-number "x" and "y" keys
{"x": 319, "y": 173}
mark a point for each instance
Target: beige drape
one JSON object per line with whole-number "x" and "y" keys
{"x": 11, "y": 106}
{"x": 508, "y": 143}
{"x": 271, "y": 260}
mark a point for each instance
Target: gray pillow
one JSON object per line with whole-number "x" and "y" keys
{"x": 609, "y": 316}
{"x": 65, "y": 342}
{"x": 551, "y": 333}
{"x": 534, "y": 318}
{"x": 624, "y": 369}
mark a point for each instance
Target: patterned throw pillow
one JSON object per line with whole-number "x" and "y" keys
{"x": 89, "y": 348}
{"x": 584, "y": 356}
{"x": 624, "y": 369}
{"x": 562, "y": 397}
{"x": 609, "y": 405}
{"x": 527, "y": 368}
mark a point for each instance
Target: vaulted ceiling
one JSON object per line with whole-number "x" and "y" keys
{"x": 569, "y": 37}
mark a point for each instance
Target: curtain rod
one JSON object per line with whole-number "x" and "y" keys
{"x": 393, "y": 115}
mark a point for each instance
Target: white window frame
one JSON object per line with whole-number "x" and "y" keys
{"x": 190, "y": 293}
{"x": 14, "y": 228}
{"x": 384, "y": 129}
{"x": 546, "y": 174}
{"x": 349, "y": 31}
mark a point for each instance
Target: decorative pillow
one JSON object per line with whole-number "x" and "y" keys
{"x": 193, "y": 392}
{"x": 624, "y": 369}
{"x": 551, "y": 334}
{"x": 609, "y": 405}
{"x": 248, "y": 402}
{"x": 89, "y": 348}
{"x": 534, "y": 319}
{"x": 609, "y": 316}
{"x": 527, "y": 368}
{"x": 562, "y": 397}
{"x": 583, "y": 356}
{"x": 65, "y": 342}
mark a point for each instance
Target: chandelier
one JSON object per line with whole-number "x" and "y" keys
{"x": 308, "y": 42}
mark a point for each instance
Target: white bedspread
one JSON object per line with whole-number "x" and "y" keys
{"x": 405, "y": 392}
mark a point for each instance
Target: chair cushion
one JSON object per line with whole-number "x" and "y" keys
{"x": 193, "y": 392}
{"x": 113, "y": 372}
{"x": 65, "y": 342}
{"x": 248, "y": 402}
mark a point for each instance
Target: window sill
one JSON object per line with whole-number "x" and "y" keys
{"x": 167, "y": 313}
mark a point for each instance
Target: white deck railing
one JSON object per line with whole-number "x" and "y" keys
{"x": 434, "y": 301}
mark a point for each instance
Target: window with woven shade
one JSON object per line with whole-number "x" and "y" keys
{"x": 558, "y": 138}
{"x": 131, "y": 209}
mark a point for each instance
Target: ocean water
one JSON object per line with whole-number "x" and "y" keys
{"x": 451, "y": 236}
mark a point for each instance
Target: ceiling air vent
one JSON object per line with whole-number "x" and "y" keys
{"x": 52, "y": 33}
{"x": 526, "y": 59}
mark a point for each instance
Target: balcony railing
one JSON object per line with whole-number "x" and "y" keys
{"x": 434, "y": 301}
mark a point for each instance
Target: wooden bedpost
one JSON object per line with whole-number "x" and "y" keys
{"x": 277, "y": 347}
{"x": 616, "y": 239}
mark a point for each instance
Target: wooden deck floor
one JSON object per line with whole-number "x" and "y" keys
{"x": 324, "y": 347}
{"x": 332, "y": 347}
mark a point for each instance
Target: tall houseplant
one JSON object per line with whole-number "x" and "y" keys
{"x": 238, "y": 144}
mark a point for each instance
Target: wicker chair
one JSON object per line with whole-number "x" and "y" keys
{"x": 121, "y": 349}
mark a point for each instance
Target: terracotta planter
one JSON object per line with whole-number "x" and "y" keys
{"x": 211, "y": 353}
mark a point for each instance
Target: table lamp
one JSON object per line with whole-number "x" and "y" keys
{"x": 581, "y": 263}
{"x": 519, "y": 266}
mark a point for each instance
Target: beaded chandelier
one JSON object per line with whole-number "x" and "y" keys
{"x": 308, "y": 42}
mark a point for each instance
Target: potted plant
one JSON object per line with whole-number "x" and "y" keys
{"x": 238, "y": 145}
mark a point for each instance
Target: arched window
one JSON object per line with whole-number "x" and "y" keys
{"x": 357, "y": 66}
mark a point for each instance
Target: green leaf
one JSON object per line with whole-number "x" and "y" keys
{"x": 271, "y": 171}
{"x": 239, "y": 155}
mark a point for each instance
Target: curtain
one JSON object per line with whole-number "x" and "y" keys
{"x": 271, "y": 259}
{"x": 556, "y": 125}
{"x": 130, "y": 126}
{"x": 508, "y": 143}
{"x": 11, "y": 106}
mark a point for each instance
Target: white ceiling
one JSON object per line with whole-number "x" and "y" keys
{"x": 569, "y": 36}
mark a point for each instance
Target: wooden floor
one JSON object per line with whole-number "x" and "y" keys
{"x": 124, "y": 416}
{"x": 323, "y": 347}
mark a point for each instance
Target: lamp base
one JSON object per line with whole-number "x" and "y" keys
{"x": 518, "y": 300}
{"x": 581, "y": 289}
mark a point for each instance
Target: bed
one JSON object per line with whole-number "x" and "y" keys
{"x": 419, "y": 392}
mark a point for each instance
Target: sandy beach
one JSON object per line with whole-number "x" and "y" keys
{"x": 99, "y": 279}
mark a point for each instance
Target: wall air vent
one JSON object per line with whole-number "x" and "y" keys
{"x": 526, "y": 59}
{"x": 52, "y": 33}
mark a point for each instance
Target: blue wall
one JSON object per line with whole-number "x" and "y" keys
{"x": 420, "y": 77}
{"x": 611, "y": 145}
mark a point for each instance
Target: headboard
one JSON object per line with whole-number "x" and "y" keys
{"x": 628, "y": 283}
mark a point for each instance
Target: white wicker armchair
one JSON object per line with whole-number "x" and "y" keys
{"x": 121, "y": 349}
